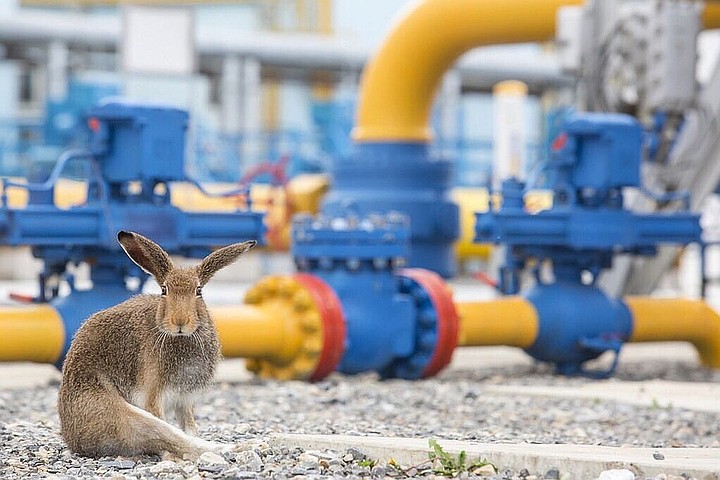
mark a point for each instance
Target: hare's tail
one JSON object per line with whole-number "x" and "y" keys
{"x": 104, "y": 424}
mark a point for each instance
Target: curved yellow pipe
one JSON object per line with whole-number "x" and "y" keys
{"x": 399, "y": 84}
{"x": 510, "y": 321}
{"x": 663, "y": 320}
{"x": 31, "y": 333}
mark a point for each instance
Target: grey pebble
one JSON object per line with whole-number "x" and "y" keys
{"x": 118, "y": 464}
{"x": 552, "y": 474}
{"x": 249, "y": 460}
{"x": 378, "y": 471}
{"x": 211, "y": 462}
{"x": 356, "y": 454}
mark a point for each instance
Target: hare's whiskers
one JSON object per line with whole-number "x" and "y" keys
{"x": 198, "y": 338}
{"x": 165, "y": 335}
{"x": 158, "y": 337}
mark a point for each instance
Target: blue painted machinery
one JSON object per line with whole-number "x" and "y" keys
{"x": 134, "y": 153}
{"x": 405, "y": 177}
{"x": 399, "y": 322}
{"x": 593, "y": 159}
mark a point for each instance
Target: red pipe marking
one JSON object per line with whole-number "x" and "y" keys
{"x": 333, "y": 324}
{"x": 448, "y": 320}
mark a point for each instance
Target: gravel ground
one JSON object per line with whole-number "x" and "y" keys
{"x": 452, "y": 406}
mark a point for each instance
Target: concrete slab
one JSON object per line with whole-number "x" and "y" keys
{"x": 468, "y": 358}
{"x": 653, "y": 393}
{"x": 27, "y": 375}
{"x": 575, "y": 462}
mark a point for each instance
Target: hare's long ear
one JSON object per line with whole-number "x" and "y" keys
{"x": 146, "y": 254}
{"x": 221, "y": 258}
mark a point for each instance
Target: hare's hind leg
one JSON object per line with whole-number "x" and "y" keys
{"x": 146, "y": 433}
{"x": 89, "y": 422}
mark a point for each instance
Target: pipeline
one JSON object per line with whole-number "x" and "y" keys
{"x": 517, "y": 322}
{"x": 34, "y": 333}
{"x": 294, "y": 327}
{"x": 509, "y": 321}
{"x": 672, "y": 319}
{"x": 399, "y": 84}
{"x": 289, "y": 327}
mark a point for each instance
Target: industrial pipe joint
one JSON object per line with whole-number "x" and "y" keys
{"x": 595, "y": 157}
{"x": 133, "y": 153}
{"x": 399, "y": 322}
{"x": 404, "y": 177}
{"x": 577, "y": 323}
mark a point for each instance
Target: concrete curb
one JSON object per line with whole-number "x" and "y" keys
{"x": 575, "y": 462}
{"x": 695, "y": 396}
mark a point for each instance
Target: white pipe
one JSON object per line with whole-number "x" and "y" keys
{"x": 479, "y": 69}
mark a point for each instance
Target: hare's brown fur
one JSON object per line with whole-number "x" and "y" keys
{"x": 131, "y": 362}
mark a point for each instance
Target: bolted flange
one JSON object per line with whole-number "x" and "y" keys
{"x": 437, "y": 326}
{"x": 312, "y": 325}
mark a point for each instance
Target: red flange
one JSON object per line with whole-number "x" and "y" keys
{"x": 333, "y": 322}
{"x": 447, "y": 317}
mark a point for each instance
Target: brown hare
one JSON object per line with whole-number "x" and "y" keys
{"x": 130, "y": 363}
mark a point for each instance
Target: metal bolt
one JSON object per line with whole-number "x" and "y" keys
{"x": 302, "y": 301}
{"x": 380, "y": 263}
{"x": 427, "y": 318}
{"x": 353, "y": 222}
{"x": 313, "y": 345}
{"x": 286, "y": 287}
{"x": 253, "y": 295}
{"x": 418, "y": 361}
{"x": 311, "y": 322}
{"x": 303, "y": 366}
{"x": 399, "y": 262}
{"x": 427, "y": 341}
{"x": 269, "y": 285}
{"x": 367, "y": 225}
{"x": 253, "y": 365}
{"x": 339, "y": 223}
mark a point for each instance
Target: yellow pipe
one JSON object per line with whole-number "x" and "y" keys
{"x": 399, "y": 84}
{"x": 663, "y": 320}
{"x": 470, "y": 200}
{"x": 279, "y": 329}
{"x": 711, "y": 15}
{"x": 510, "y": 321}
{"x": 31, "y": 333}
{"x": 250, "y": 331}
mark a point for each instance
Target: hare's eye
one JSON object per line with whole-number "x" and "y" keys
{"x": 198, "y": 292}
{"x": 163, "y": 290}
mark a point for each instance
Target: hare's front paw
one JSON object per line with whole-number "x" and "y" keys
{"x": 207, "y": 446}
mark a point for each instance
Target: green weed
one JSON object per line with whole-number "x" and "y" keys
{"x": 449, "y": 465}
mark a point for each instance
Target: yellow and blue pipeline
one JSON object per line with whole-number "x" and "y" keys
{"x": 353, "y": 308}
